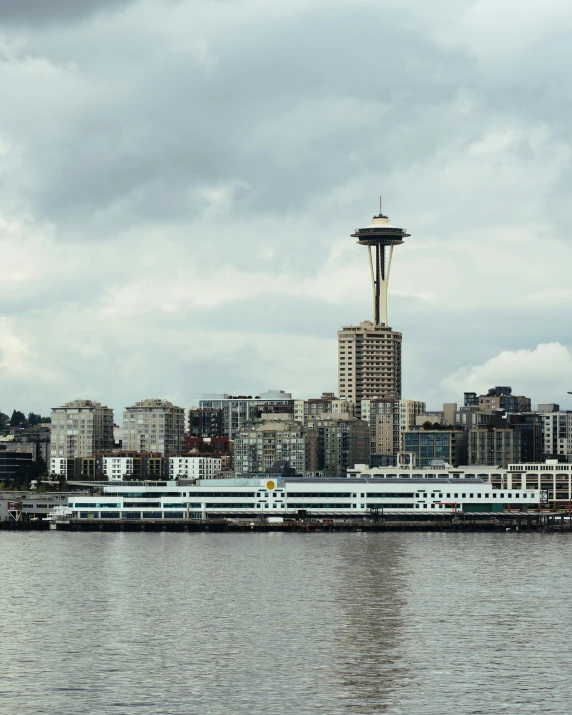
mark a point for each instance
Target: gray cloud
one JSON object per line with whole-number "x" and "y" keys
{"x": 29, "y": 12}
{"x": 178, "y": 183}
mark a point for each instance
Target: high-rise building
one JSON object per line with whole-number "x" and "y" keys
{"x": 237, "y": 410}
{"x": 369, "y": 363}
{"x": 369, "y": 355}
{"x": 81, "y": 428}
{"x": 153, "y": 426}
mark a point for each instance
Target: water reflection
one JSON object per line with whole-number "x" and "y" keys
{"x": 285, "y": 623}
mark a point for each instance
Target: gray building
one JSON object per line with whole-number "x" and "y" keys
{"x": 237, "y": 410}
{"x": 153, "y": 425}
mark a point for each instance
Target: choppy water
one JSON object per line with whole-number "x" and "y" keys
{"x": 285, "y": 623}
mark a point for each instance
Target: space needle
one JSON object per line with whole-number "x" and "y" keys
{"x": 380, "y": 235}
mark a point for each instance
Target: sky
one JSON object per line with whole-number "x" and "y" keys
{"x": 179, "y": 180}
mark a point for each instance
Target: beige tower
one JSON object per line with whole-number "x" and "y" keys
{"x": 81, "y": 428}
{"x": 369, "y": 362}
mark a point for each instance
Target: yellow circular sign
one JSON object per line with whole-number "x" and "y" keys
{"x": 270, "y": 485}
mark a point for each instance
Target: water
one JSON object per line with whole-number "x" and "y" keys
{"x": 285, "y": 623}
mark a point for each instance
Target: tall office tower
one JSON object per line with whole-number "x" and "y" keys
{"x": 81, "y": 428}
{"x": 153, "y": 426}
{"x": 369, "y": 355}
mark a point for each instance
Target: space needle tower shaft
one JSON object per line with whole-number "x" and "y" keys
{"x": 379, "y": 236}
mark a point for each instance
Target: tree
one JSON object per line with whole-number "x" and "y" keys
{"x": 18, "y": 418}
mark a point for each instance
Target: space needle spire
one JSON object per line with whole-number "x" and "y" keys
{"x": 379, "y": 235}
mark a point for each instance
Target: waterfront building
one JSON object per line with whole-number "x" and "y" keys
{"x": 388, "y": 419}
{"x": 335, "y": 442}
{"x": 506, "y": 439}
{"x": 154, "y": 426}
{"x": 194, "y": 467}
{"x": 117, "y": 467}
{"x": 113, "y": 465}
{"x": 435, "y": 444}
{"x": 296, "y": 497}
{"x": 11, "y": 460}
{"x": 80, "y": 429}
{"x": 274, "y": 438}
{"x": 552, "y": 479}
{"x": 237, "y": 410}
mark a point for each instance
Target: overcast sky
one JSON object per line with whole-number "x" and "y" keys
{"x": 179, "y": 180}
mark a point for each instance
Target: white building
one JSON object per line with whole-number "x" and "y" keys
{"x": 115, "y": 468}
{"x": 557, "y": 433}
{"x": 81, "y": 428}
{"x": 194, "y": 467}
{"x": 153, "y": 426}
{"x": 290, "y": 496}
{"x": 551, "y": 478}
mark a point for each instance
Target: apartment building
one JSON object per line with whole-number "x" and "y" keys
{"x": 194, "y": 467}
{"x": 387, "y": 420}
{"x": 80, "y": 429}
{"x": 327, "y": 404}
{"x": 153, "y": 425}
{"x": 369, "y": 363}
{"x": 258, "y": 445}
{"x": 237, "y": 410}
{"x": 335, "y": 443}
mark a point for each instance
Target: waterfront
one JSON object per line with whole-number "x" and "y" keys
{"x": 285, "y": 623}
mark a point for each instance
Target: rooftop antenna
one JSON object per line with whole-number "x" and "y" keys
{"x": 380, "y": 211}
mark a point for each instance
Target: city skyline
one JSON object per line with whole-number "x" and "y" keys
{"x": 150, "y": 255}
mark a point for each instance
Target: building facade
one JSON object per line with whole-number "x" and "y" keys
{"x": 327, "y": 404}
{"x": 238, "y": 410}
{"x": 336, "y": 442}
{"x": 81, "y": 428}
{"x": 447, "y": 445}
{"x": 369, "y": 363}
{"x": 154, "y": 426}
{"x": 388, "y": 419}
{"x": 557, "y": 434}
{"x": 205, "y": 423}
{"x": 260, "y": 444}
{"x": 194, "y": 467}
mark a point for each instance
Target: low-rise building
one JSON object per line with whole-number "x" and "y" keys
{"x": 194, "y": 467}
{"x": 295, "y": 497}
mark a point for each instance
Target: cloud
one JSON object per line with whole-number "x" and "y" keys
{"x": 545, "y": 373}
{"x": 179, "y": 182}
{"x": 30, "y": 12}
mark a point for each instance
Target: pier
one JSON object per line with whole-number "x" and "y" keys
{"x": 500, "y": 522}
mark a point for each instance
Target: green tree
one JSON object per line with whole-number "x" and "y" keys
{"x": 18, "y": 418}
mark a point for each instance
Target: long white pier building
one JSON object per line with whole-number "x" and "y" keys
{"x": 295, "y": 496}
